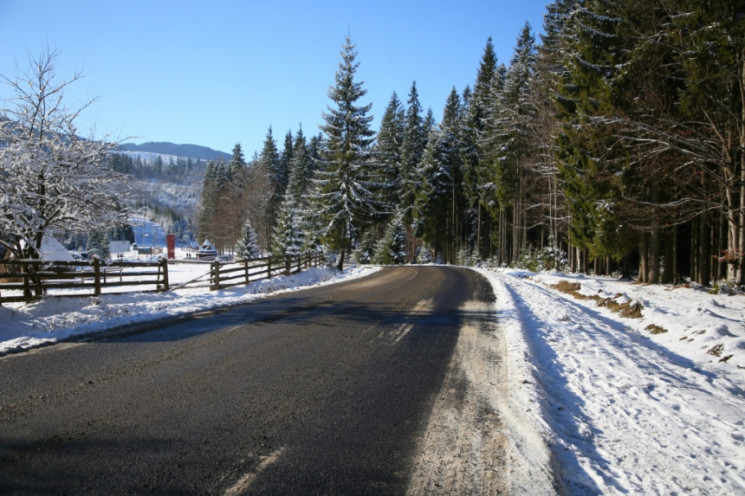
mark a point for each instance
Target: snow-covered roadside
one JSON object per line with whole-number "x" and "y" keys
{"x": 622, "y": 410}
{"x": 57, "y": 318}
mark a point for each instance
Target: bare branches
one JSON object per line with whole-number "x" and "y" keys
{"x": 52, "y": 178}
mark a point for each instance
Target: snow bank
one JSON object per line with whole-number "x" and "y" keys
{"x": 626, "y": 407}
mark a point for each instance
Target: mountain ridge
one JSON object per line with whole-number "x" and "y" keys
{"x": 180, "y": 150}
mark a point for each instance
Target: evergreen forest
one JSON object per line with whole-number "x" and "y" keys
{"x": 613, "y": 142}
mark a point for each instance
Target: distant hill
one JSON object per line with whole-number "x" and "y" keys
{"x": 165, "y": 148}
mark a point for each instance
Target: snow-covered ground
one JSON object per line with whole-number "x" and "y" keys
{"x": 624, "y": 410}
{"x": 647, "y": 405}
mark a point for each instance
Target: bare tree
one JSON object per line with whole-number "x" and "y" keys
{"x": 50, "y": 177}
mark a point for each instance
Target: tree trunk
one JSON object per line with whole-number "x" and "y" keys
{"x": 704, "y": 253}
{"x": 643, "y": 258}
{"x": 654, "y": 256}
{"x": 670, "y": 268}
{"x": 340, "y": 265}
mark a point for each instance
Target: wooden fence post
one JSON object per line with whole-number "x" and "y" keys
{"x": 215, "y": 275}
{"x": 288, "y": 265}
{"x": 245, "y": 268}
{"x": 96, "y": 276}
{"x": 26, "y": 268}
{"x": 164, "y": 266}
{"x": 269, "y": 267}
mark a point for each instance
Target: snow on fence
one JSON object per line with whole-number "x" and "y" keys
{"x": 27, "y": 280}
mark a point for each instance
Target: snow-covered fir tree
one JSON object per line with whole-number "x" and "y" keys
{"x": 389, "y": 149}
{"x": 347, "y": 178}
{"x": 391, "y": 249}
{"x": 247, "y": 245}
{"x": 412, "y": 148}
{"x": 288, "y": 237}
{"x": 270, "y": 163}
{"x": 434, "y": 199}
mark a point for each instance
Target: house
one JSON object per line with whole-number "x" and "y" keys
{"x": 207, "y": 251}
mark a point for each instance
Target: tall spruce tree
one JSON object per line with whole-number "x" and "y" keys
{"x": 288, "y": 237}
{"x": 412, "y": 149}
{"x": 440, "y": 204}
{"x": 433, "y": 200}
{"x": 472, "y": 155}
{"x": 247, "y": 245}
{"x": 300, "y": 167}
{"x": 270, "y": 164}
{"x": 347, "y": 179}
{"x": 509, "y": 144}
{"x": 389, "y": 145}
{"x": 593, "y": 54}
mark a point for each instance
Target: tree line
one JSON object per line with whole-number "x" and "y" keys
{"x": 177, "y": 170}
{"x": 613, "y": 143}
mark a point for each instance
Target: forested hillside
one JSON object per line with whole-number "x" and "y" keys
{"x": 164, "y": 188}
{"x": 614, "y": 142}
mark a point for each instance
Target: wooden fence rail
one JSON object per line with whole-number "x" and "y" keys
{"x": 85, "y": 278}
{"x": 35, "y": 278}
{"x": 226, "y": 275}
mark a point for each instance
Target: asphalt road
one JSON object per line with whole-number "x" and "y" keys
{"x": 322, "y": 391}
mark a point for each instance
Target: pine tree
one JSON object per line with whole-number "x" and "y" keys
{"x": 288, "y": 236}
{"x": 208, "y": 201}
{"x": 389, "y": 146}
{"x": 237, "y": 162}
{"x": 440, "y": 203}
{"x": 300, "y": 168}
{"x": 347, "y": 178}
{"x": 433, "y": 201}
{"x": 98, "y": 240}
{"x": 473, "y": 133}
{"x": 391, "y": 249}
{"x": 270, "y": 164}
{"x": 247, "y": 246}
{"x": 412, "y": 148}
{"x": 710, "y": 46}
{"x": 593, "y": 54}
{"x": 508, "y": 144}
{"x": 285, "y": 161}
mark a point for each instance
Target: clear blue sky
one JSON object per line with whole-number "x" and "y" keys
{"x": 219, "y": 72}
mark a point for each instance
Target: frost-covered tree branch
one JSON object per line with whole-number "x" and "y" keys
{"x": 50, "y": 177}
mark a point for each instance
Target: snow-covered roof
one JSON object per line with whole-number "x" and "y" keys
{"x": 53, "y": 251}
{"x": 207, "y": 246}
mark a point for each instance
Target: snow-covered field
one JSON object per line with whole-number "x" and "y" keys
{"x": 647, "y": 405}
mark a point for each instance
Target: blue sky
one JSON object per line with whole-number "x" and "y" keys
{"x": 221, "y": 72}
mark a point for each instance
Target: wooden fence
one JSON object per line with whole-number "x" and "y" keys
{"x": 226, "y": 275}
{"x": 91, "y": 278}
{"x": 81, "y": 278}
